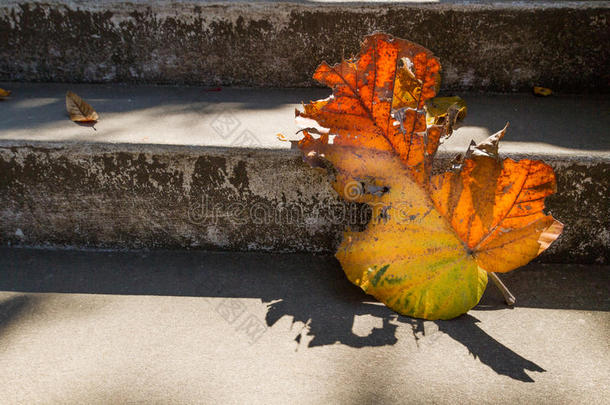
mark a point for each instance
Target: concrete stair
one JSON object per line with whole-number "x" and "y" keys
{"x": 183, "y": 167}
{"x": 194, "y": 167}
{"x": 109, "y": 291}
{"x": 178, "y": 327}
{"x": 483, "y": 45}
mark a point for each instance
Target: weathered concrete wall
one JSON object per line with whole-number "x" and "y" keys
{"x": 503, "y": 46}
{"x": 128, "y": 196}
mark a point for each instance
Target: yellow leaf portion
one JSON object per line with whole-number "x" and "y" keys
{"x": 408, "y": 257}
{"x": 4, "y": 93}
{"x": 407, "y": 88}
{"x": 542, "y": 91}
{"x": 79, "y": 110}
{"x": 438, "y": 108}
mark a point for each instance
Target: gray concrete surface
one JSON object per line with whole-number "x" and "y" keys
{"x": 155, "y": 196}
{"x": 231, "y": 184}
{"x": 167, "y": 327}
{"x": 483, "y": 45}
{"x": 575, "y": 125}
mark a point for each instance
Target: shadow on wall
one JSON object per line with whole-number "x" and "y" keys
{"x": 311, "y": 290}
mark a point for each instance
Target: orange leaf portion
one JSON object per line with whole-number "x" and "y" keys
{"x": 360, "y": 111}
{"x": 496, "y": 207}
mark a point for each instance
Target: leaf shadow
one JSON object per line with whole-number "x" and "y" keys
{"x": 329, "y": 309}
{"x": 309, "y": 291}
{"x": 87, "y": 124}
{"x": 13, "y": 308}
{"x": 482, "y": 346}
{"x": 325, "y": 328}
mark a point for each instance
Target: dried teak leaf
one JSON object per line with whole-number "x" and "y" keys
{"x": 4, "y": 93}
{"x": 432, "y": 239}
{"x": 79, "y": 110}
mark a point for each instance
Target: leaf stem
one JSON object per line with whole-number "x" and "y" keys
{"x": 508, "y": 296}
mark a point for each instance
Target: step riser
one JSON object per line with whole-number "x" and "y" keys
{"x": 504, "y": 47}
{"x": 122, "y": 196}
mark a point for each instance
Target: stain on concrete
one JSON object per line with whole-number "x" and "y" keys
{"x": 582, "y": 203}
{"x": 145, "y": 196}
{"x": 482, "y": 47}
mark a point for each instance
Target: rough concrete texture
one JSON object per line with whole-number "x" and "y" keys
{"x": 501, "y": 46}
{"x": 65, "y": 184}
{"x": 217, "y": 328}
{"x": 129, "y": 196}
{"x": 57, "y": 187}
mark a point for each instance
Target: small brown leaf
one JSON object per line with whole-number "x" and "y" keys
{"x": 4, "y": 93}
{"x": 542, "y": 91}
{"x": 79, "y": 109}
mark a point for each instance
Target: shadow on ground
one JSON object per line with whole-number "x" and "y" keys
{"x": 12, "y": 308}
{"x": 309, "y": 289}
{"x": 41, "y": 108}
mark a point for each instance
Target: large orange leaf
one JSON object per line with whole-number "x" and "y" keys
{"x": 431, "y": 239}
{"x": 359, "y": 113}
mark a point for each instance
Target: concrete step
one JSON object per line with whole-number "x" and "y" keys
{"x": 483, "y": 45}
{"x": 197, "y": 327}
{"x": 182, "y": 167}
